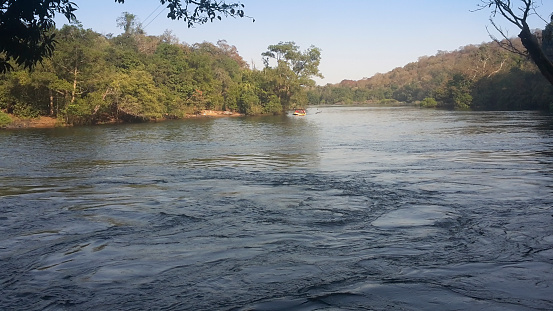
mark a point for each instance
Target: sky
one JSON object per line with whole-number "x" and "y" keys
{"x": 358, "y": 38}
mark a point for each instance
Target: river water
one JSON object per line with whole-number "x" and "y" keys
{"x": 344, "y": 209}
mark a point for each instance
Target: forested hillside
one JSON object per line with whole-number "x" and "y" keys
{"x": 484, "y": 77}
{"x": 94, "y": 78}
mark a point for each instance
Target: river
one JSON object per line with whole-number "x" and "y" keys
{"x": 347, "y": 208}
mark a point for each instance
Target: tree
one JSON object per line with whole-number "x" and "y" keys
{"x": 458, "y": 92}
{"x": 135, "y": 96}
{"x": 294, "y": 70}
{"x": 79, "y": 62}
{"x": 429, "y": 102}
{"x": 304, "y": 65}
{"x": 129, "y": 23}
{"x": 518, "y": 16}
{"x": 26, "y": 35}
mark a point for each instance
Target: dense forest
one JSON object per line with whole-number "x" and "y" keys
{"x": 479, "y": 77}
{"x": 93, "y": 78}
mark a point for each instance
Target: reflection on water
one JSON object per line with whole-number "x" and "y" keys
{"x": 349, "y": 208}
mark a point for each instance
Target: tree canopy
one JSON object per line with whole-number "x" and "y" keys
{"x": 92, "y": 78}
{"x": 26, "y": 35}
{"x": 293, "y": 70}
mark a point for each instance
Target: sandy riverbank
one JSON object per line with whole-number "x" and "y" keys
{"x": 216, "y": 113}
{"x": 49, "y": 122}
{"x": 40, "y": 122}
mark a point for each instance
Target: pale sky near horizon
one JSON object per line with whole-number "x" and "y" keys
{"x": 358, "y": 38}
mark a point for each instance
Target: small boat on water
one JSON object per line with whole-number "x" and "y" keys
{"x": 300, "y": 112}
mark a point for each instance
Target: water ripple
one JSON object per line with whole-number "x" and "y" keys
{"x": 361, "y": 208}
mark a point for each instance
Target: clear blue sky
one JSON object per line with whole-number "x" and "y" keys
{"x": 358, "y": 38}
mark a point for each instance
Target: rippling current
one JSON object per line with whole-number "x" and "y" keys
{"x": 344, "y": 209}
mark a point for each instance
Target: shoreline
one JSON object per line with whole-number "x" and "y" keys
{"x": 50, "y": 122}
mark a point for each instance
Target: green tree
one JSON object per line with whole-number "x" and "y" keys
{"x": 305, "y": 65}
{"x": 92, "y": 78}
{"x": 292, "y": 72}
{"x": 25, "y": 26}
{"x": 25, "y": 30}
{"x": 248, "y": 102}
{"x": 457, "y": 93}
{"x": 79, "y": 64}
{"x": 26, "y": 97}
{"x": 129, "y": 23}
{"x": 429, "y": 102}
{"x": 5, "y": 120}
{"x": 135, "y": 96}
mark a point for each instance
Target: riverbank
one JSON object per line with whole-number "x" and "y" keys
{"x": 49, "y": 122}
{"x": 40, "y": 122}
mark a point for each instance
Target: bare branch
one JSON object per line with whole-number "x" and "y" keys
{"x": 498, "y": 70}
{"x": 529, "y": 39}
{"x": 506, "y": 43}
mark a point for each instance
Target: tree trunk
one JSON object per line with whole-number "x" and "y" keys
{"x": 51, "y": 102}
{"x": 531, "y": 44}
{"x": 74, "y": 92}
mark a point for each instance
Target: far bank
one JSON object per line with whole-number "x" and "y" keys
{"x": 10, "y": 121}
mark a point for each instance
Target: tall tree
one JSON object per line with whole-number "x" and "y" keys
{"x": 79, "y": 61}
{"x": 25, "y": 26}
{"x": 518, "y": 16}
{"x": 129, "y": 23}
{"x": 294, "y": 69}
{"x": 305, "y": 65}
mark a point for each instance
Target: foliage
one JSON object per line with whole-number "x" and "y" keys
{"x": 484, "y": 77}
{"x": 293, "y": 70}
{"x": 429, "y": 102}
{"x": 25, "y": 33}
{"x": 134, "y": 77}
{"x": 456, "y": 94}
{"x": 26, "y": 27}
{"x": 200, "y": 12}
{"x": 248, "y": 103}
{"x": 129, "y": 23}
{"x": 5, "y": 119}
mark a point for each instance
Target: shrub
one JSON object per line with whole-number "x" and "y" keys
{"x": 25, "y": 111}
{"x": 5, "y": 119}
{"x": 429, "y": 102}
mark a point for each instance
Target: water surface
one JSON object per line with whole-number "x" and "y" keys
{"x": 346, "y": 208}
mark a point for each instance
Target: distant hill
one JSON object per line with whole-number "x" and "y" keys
{"x": 483, "y": 77}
